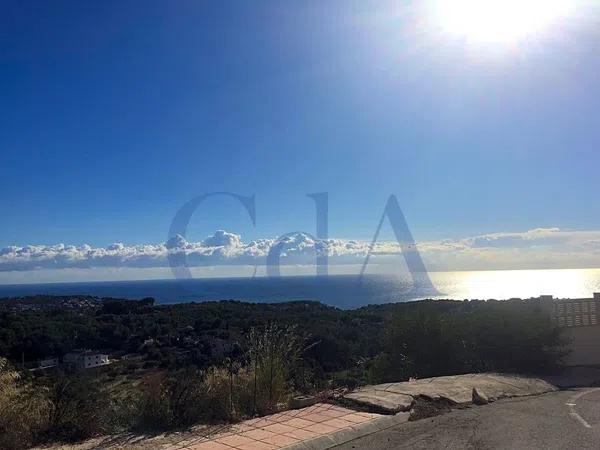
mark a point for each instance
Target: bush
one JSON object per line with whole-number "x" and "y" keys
{"x": 221, "y": 390}
{"x": 501, "y": 337}
{"x": 153, "y": 409}
{"x": 275, "y": 357}
{"x": 23, "y": 410}
{"x": 228, "y": 392}
{"x": 187, "y": 398}
{"x": 79, "y": 409}
{"x": 183, "y": 398}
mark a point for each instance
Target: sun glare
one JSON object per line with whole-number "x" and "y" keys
{"x": 498, "y": 20}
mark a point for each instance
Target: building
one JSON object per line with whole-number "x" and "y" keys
{"x": 42, "y": 364}
{"x": 47, "y": 363}
{"x": 85, "y": 359}
{"x": 579, "y": 318}
{"x": 579, "y": 312}
{"x": 132, "y": 357}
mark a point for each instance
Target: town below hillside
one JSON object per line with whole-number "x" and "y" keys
{"x": 38, "y": 302}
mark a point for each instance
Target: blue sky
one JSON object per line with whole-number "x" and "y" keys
{"x": 112, "y": 115}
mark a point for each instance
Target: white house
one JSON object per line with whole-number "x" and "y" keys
{"x": 86, "y": 359}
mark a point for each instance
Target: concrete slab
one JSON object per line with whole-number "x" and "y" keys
{"x": 458, "y": 389}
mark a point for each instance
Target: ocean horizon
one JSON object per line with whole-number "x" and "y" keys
{"x": 342, "y": 291}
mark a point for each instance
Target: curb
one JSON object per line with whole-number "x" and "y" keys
{"x": 351, "y": 433}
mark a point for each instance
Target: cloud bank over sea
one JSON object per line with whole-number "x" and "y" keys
{"x": 543, "y": 248}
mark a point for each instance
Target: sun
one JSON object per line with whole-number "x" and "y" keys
{"x": 497, "y": 20}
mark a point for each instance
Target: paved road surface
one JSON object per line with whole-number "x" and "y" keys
{"x": 558, "y": 420}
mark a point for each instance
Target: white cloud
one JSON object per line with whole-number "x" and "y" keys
{"x": 223, "y": 239}
{"x": 540, "y": 248}
{"x": 537, "y": 248}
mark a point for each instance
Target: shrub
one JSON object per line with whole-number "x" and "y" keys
{"x": 78, "y": 408}
{"x": 500, "y": 337}
{"x": 227, "y": 392}
{"x": 183, "y": 398}
{"x": 187, "y": 398}
{"x": 23, "y": 410}
{"x": 219, "y": 389}
{"x": 274, "y": 357}
{"x": 153, "y": 402}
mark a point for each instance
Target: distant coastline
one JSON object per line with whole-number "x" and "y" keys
{"x": 342, "y": 291}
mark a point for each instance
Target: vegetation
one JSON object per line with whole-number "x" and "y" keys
{"x": 505, "y": 338}
{"x": 24, "y": 412}
{"x": 223, "y": 361}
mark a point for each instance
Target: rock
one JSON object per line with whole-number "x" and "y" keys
{"x": 479, "y": 398}
{"x": 304, "y": 401}
{"x": 464, "y": 389}
{"x": 387, "y": 402}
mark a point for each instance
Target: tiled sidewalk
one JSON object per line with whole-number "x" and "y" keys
{"x": 282, "y": 429}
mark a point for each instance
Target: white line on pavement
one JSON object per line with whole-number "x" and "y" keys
{"x": 580, "y": 419}
{"x": 571, "y": 404}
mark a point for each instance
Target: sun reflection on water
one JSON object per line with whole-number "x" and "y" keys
{"x": 503, "y": 284}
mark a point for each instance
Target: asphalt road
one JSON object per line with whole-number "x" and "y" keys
{"x": 558, "y": 420}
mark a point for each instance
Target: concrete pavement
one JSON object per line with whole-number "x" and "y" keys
{"x": 556, "y": 420}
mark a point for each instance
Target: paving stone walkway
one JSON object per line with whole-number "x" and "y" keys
{"x": 281, "y": 430}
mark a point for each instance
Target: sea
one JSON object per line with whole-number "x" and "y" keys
{"x": 342, "y": 291}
